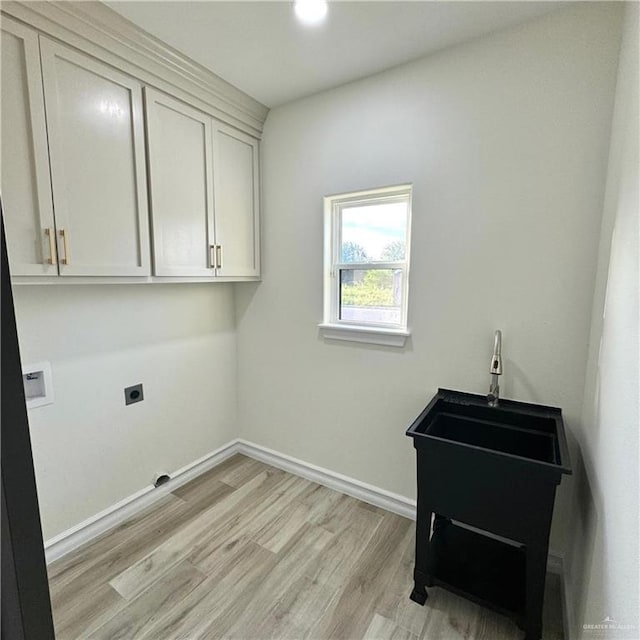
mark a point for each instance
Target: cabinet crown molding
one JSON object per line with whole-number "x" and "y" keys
{"x": 96, "y": 29}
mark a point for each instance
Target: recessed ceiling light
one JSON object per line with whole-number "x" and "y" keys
{"x": 310, "y": 11}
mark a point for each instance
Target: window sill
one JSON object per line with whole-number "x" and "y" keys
{"x": 370, "y": 335}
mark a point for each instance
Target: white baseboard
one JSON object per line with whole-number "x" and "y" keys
{"x": 91, "y": 528}
{"x": 361, "y": 490}
{"x": 100, "y": 523}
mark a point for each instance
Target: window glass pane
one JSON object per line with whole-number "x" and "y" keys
{"x": 371, "y": 295}
{"x": 374, "y": 232}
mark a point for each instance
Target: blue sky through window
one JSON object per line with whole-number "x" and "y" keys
{"x": 373, "y": 227}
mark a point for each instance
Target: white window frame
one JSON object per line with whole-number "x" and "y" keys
{"x": 333, "y": 327}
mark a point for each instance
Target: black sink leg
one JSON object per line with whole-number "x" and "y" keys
{"x": 419, "y": 594}
{"x": 420, "y": 576}
{"x": 420, "y": 582}
{"x": 536, "y": 559}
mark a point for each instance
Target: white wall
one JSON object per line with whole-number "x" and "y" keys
{"x": 90, "y": 450}
{"x": 603, "y": 567}
{"x": 505, "y": 140}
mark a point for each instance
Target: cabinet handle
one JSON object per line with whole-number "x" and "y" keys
{"x": 66, "y": 259}
{"x": 51, "y": 234}
{"x": 219, "y": 256}
{"x": 212, "y": 256}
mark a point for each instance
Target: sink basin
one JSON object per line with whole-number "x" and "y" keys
{"x": 517, "y": 429}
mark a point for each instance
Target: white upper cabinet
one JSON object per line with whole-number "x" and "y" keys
{"x": 203, "y": 179}
{"x": 96, "y": 151}
{"x": 181, "y": 187}
{"x": 236, "y": 198}
{"x": 26, "y": 186}
{"x": 119, "y": 155}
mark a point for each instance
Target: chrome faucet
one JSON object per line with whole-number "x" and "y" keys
{"x": 495, "y": 370}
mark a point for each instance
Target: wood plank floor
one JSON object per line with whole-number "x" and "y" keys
{"x": 247, "y": 551}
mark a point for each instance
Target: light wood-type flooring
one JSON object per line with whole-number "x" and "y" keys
{"x": 247, "y": 551}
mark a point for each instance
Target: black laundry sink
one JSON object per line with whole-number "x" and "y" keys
{"x": 518, "y": 429}
{"x": 488, "y": 476}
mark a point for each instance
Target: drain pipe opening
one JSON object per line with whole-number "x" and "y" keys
{"x": 161, "y": 478}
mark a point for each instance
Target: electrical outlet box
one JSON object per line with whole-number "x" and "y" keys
{"x": 133, "y": 394}
{"x": 38, "y": 384}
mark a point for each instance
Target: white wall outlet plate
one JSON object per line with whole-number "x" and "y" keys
{"x": 38, "y": 384}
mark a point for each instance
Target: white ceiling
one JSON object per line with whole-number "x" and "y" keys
{"x": 261, "y": 48}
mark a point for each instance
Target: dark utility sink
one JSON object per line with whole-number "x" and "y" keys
{"x": 528, "y": 431}
{"x": 494, "y": 468}
{"x": 485, "y": 471}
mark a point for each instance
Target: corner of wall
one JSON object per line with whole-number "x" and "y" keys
{"x": 598, "y": 578}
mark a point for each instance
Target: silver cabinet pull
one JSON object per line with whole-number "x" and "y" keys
{"x": 66, "y": 259}
{"x": 212, "y": 256}
{"x": 51, "y": 234}
{"x": 219, "y": 256}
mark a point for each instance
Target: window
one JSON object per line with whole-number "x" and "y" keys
{"x": 367, "y": 238}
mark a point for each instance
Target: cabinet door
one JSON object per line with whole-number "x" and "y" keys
{"x": 26, "y": 186}
{"x": 179, "y": 144}
{"x": 236, "y": 184}
{"x": 96, "y": 150}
